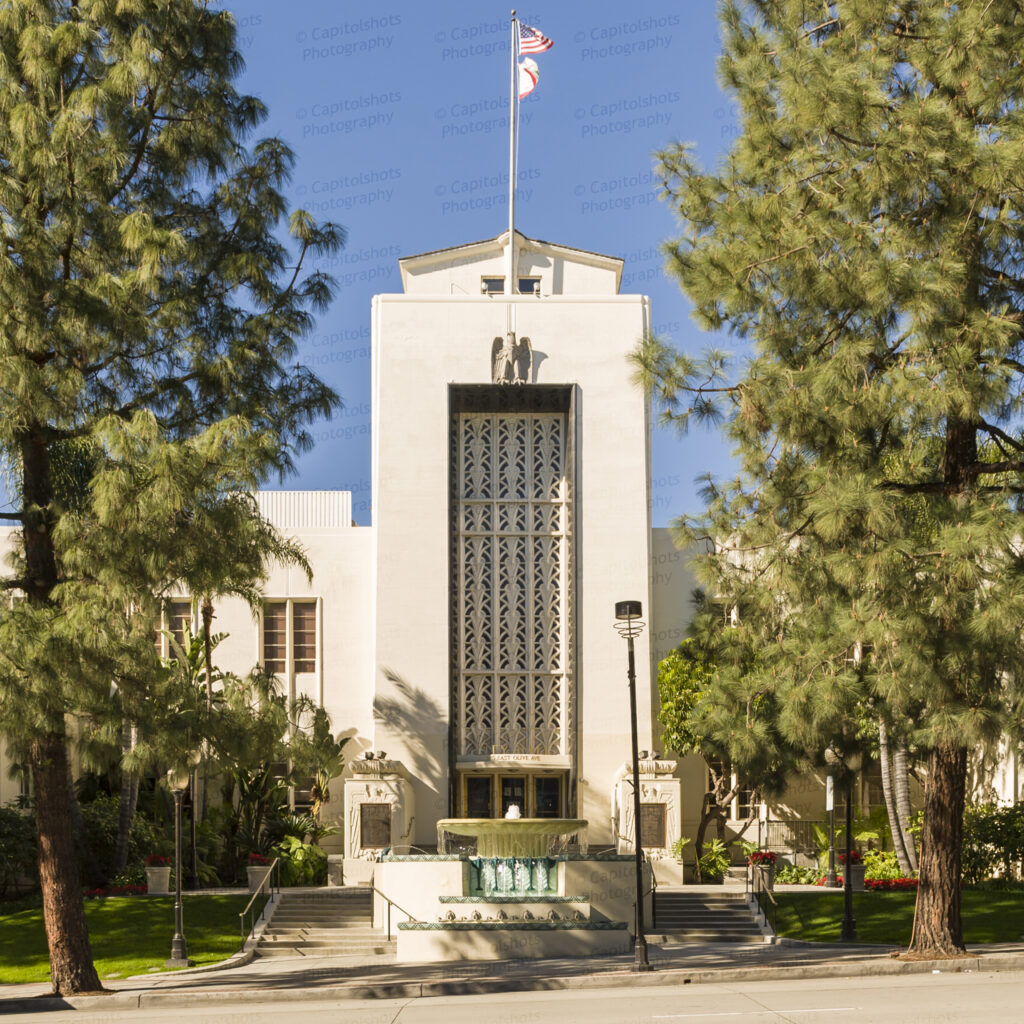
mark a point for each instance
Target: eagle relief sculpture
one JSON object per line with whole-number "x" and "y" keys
{"x": 511, "y": 360}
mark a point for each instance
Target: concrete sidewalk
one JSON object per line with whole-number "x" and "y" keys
{"x": 308, "y": 978}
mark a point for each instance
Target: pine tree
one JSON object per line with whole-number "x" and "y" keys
{"x": 715, "y": 714}
{"x": 149, "y": 314}
{"x": 864, "y": 237}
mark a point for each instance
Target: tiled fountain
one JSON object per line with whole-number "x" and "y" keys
{"x": 517, "y": 894}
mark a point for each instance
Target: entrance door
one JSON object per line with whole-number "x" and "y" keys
{"x": 513, "y": 791}
{"x": 478, "y": 797}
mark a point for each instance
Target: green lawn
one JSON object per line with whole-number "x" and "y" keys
{"x": 129, "y": 934}
{"x": 887, "y": 917}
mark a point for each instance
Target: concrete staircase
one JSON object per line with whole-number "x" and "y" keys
{"x": 704, "y": 914}
{"x": 324, "y": 922}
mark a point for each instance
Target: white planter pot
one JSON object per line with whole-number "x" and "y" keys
{"x": 257, "y": 874}
{"x": 158, "y": 880}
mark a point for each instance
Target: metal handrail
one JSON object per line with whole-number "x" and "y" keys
{"x": 653, "y": 893}
{"x": 275, "y": 864}
{"x": 391, "y": 903}
{"x": 754, "y": 886}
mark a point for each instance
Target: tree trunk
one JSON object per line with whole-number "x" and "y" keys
{"x": 901, "y": 782}
{"x": 707, "y": 811}
{"x": 715, "y": 799}
{"x": 126, "y": 810}
{"x": 206, "y": 610}
{"x": 71, "y": 967}
{"x": 938, "y": 929}
{"x": 890, "y": 803}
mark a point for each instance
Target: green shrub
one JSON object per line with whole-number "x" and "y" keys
{"x": 17, "y": 849}
{"x": 993, "y": 841}
{"x": 100, "y": 817}
{"x": 679, "y": 845}
{"x": 714, "y": 861}
{"x": 881, "y": 866}
{"x": 301, "y": 863}
{"x": 133, "y": 874}
{"x": 792, "y": 874}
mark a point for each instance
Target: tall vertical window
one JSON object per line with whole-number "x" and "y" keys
{"x": 289, "y": 636}
{"x": 179, "y": 619}
{"x": 512, "y": 583}
{"x": 304, "y": 635}
{"x": 176, "y": 619}
{"x": 275, "y": 635}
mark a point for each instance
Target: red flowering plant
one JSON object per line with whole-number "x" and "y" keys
{"x": 854, "y": 857}
{"x": 762, "y": 857}
{"x": 114, "y": 890}
{"x": 890, "y": 884}
{"x": 155, "y": 860}
{"x": 257, "y": 860}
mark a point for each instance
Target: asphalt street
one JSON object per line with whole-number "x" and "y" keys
{"x": 976, "y": 998}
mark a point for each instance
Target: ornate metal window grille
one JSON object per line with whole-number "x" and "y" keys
{"x": 513, "y": 508}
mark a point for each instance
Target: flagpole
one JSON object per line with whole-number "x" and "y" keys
{"x": 513, "y": 111}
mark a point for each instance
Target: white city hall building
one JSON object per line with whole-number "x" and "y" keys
{"x": 466, "y": 640}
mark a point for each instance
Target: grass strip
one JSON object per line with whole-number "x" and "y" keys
{"x": 886, "y": 918}
{"x": 129, "y": 935}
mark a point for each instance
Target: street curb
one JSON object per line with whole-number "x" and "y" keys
{"x": 484, "y": 986}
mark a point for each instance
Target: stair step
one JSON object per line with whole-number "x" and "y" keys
{"x": 339, "y": 934}
{"x": 329, "y": 923}
{"x": 380, "y": 949}
{"x": 328, "y": 915}
{"x": 695, "y": 935}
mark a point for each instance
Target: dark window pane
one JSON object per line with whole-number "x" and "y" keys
{"x": 478, "y": 797}
{"x": 513, "y": 791}
{"x": 179, "y": 620}
{"x": 548, "y": 793}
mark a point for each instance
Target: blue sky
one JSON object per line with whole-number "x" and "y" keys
{"x": 397, "y": 114}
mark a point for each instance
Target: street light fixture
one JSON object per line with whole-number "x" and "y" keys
{"x": 848, "y": 765}
{"x": 833, "y": 761}
{"x": 177, "y": 780}
{"x": 628, "y": 624}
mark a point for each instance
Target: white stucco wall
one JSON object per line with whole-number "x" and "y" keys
{"x": 422, "y": 342}
{"x": 342, "y": 559}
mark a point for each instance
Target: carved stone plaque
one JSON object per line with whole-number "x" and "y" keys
{"x": 374, "y": 826}
{"x": 652, "y": 826}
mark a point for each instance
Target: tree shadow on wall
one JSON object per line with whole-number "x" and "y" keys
{"x": 413, "y": 714}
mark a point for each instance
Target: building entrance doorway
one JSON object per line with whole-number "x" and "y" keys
{"x": 484, "y": 794}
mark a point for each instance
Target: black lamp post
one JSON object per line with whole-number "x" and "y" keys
{"x": 627, "y": 622}
{"x": 848, "y": 933}
{"x": 833, "y": 761}
{"x": 846, "y": 766}
{"x": 178, "y": 781}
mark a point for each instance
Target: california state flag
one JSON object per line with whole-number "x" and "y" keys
{"x": 528, "y": 75}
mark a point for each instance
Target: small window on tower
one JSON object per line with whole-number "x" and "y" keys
{"x": 529, "y": 286}
{"x": 275, "y": 635}
{"x": 304, "y": 625}
{"x": 492, "y": 285}
{"x": 300, "y": 655}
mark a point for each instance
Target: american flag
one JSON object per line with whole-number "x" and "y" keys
{"x": 531, "y": 41}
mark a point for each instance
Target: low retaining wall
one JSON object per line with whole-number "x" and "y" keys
{"x": 435, "y": 919}
{"x": 497, "y": 940}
